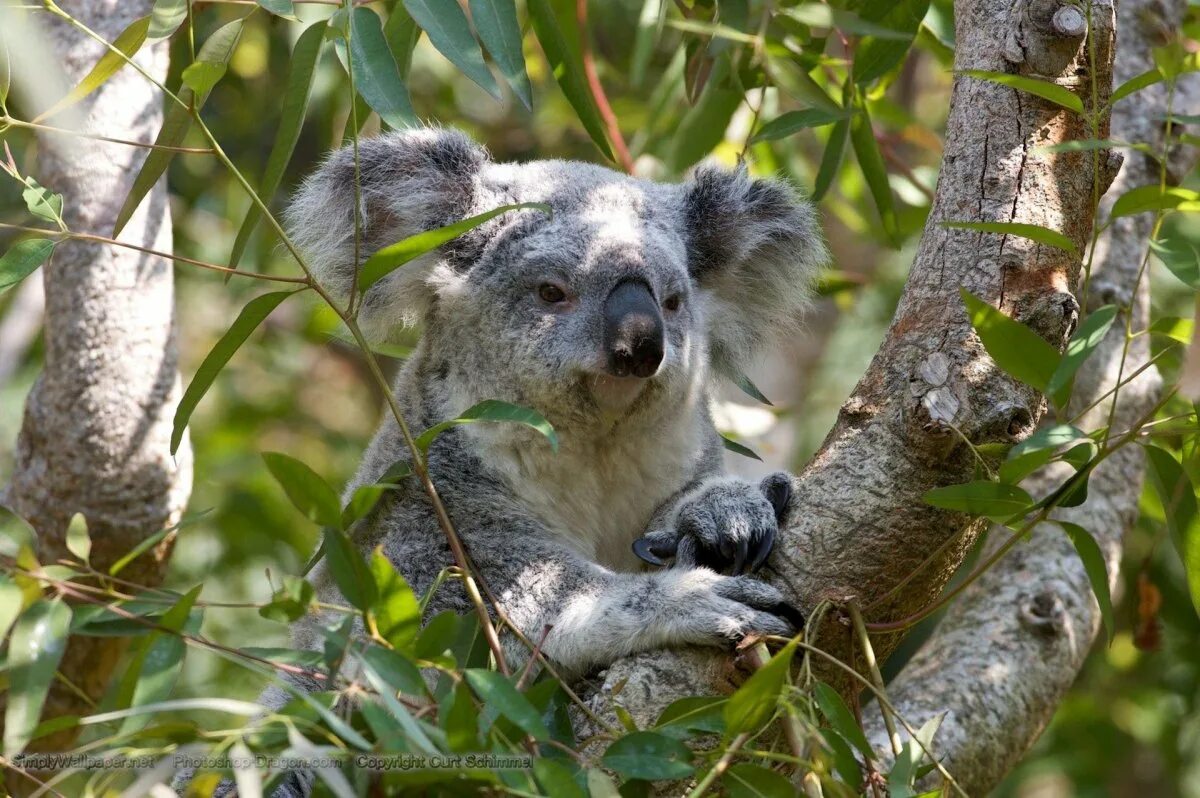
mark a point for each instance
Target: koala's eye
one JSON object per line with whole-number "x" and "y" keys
{"x": 551, "y": 293}
{"x": 673, "y": 302}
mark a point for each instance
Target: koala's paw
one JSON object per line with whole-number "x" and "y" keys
{"x": 723, "y": 609}
{"x": 728, "y": 526}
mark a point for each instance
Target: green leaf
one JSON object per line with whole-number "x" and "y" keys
{"x": 1178, "y": 497}
{"x": 247, "y": 321}
{"x": 567, "y": 66}
{"x": 306, "y": 489}
{"x": 839, "y": 717}
{"x": 291, "y": 602}
{"x": 816, "y": 15}
{"x": 201, "y": 76}
{"x": 755, "y": 702}
{"x": 831, "y": 159}
{"x": 498, "y": 693}
{"x": 905, "y": 768}
{"x": 23, "y": 258}
{"x": 1174, "y": 328}
{"x": 990, "y": 499}
{"x": 649, "y": 755}
{"x": 693, "y": 714}
{"x": 1097, "y": 571}
{"x": 5, "y": 73}
{"x": 1135, "y": 84}
{"x": 396, "y": 610}
{"x": 749, "y": 388}
{"x": 35, "y": 648}
{"x": 392, "y": 257}
{"x": 1083, "y": 343}
{"x": 415, "y": 734}
{"x": 446, "y": 25}
{"x": 737, "y": 448}
{"x": 1180, "y": 256}
{"x": 795, "y": 121}
{"x": 280, "y": 8}
{"x": 1037, "y": 450}
{"x": 349, "y": 570}
{"x": 496, "y": 23}
{"x": 42, "y": 202}
{"x": 157, "y": 663}
{"x": 217, "y": 49}
{"x": 166, "y": 17}
{"x": 703, "y": 126}
{"x": 1045, "y": 89}
{"x": 745, "y": 780}
{"x": 129, "y": 41}
{"x": 397, "y": 670}
{"x": 78, "y": 541}
{"x": 376, "y": 76}
{"x": 460, "y": 720}
{"x": 1017, "y": 349}
{"x": 301, "y": 68}
{"x": 11, "y": 603}
{"x": 1154, "y": 198}
{"x": 844, "y": 763}
{"x": 556, "y": 778}
{"x": 1042, "y": 235}
{"x": 876, "y": 56}
{"x": 362, "y": 501}
{"x": 870, "y": 161}
{"x": 495, "y": 411}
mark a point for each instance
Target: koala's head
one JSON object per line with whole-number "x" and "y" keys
{"x": 626, "y": 294}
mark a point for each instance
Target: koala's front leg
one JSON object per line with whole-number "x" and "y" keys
{"x": 724, "y": 523}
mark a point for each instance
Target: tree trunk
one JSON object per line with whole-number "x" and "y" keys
{"x": 97, "y": 425}
{"x": 1008, "y": 650}
{"x": 858, "y": 524}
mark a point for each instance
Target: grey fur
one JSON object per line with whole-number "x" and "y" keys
{"x": 552, "y": 533}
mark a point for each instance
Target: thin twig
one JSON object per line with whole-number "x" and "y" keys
{"x": 8, "y": 120}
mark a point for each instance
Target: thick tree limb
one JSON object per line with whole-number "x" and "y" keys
{"x": 858, "y": 524}
{"x": 96, "y": 432}
{"x": 1002, "y": 659}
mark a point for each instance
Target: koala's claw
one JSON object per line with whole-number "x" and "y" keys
{"x": 763, "y": 609}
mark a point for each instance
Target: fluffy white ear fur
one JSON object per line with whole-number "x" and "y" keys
{"x": 754, "y": 247}
{"x": 410, "y": 181}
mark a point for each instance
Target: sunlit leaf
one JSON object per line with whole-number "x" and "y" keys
{"x": 1154, "y": 198}
{"x": 990, "y": 499}
{"x": 1178, "y": 497}
{"x": 1042, "y": 235}
{"x": 166, "y": 18}
{"x": 1179, "y": 255}
{"x": 817, "y": 15}
{"x": 281, "y": 8}
{"x": 905, "y": 768}
{"x": 795, "y": 121}
{"x": 1037, "y": 450}
{"x": 1086, "y": 339}
{"x": 23, "y": 258}
{"x": 693, "y": 714}
{"x": 1097, "y": 571}
{"x": 396, "y": 611}
{"x": 1045, "y": 89}
{"x": 755, "y": 702}
{"x": 703, "y": 126}
{"x": 492, "y": 410}
{"x": 1135, "y": 84}
{"x": 247, "y": 321}
{"x": 35, "y": 648}
{"x": 392, "y": 257}
{"x": 870, "y": 161}
{"x": 308, "y": 492}
{"x": 129, "y": 41}
{"x": 79, "y": 542}
{"x": 446, "y": 25}
{"x": 649, "y": 755}
{"x": 42, "y": 202}
{"x": 1017, "y": 349}
{"x": 496, "y": 23}
{"x": 875, "y": 56}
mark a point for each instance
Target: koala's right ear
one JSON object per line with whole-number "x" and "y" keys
{"x": 410, "y": 181}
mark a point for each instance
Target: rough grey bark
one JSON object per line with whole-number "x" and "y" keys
{"x": 1008, "y": 650}
{"x": 97, "y": 425}
{"x": 858, "y": 523}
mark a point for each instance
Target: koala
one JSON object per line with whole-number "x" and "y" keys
{"x": 611, "y": 317}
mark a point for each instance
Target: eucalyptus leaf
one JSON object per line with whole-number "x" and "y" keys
{"x": 446, "y": 25}
{"x": 755, "y": 701}
{"x": 989, "y": 499}
{"x": 1096, "y": 569}
{"x": 496, "y": 23}
{"x": 649, "y": 755}
{"x": 35, "y": 648}
{"x": 794, "y": 121}
{"x": 308, "y": 492}
{"x": 1017, "y": 349}
{"x": 497, "y": 692}
{"x": 1042, "y": 235}
{"x": 376, "y": 76}
{"x": 492, "y": 410}
{"x": 1178, "y": 497}
{"x": 1086, "y": 339}
{"x": 23, "y": 258}
{"x": 840, "y": 718}
{"x": 1047, "y": 90}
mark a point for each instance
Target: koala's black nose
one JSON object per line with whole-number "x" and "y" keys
{"x": 633, "y": 330}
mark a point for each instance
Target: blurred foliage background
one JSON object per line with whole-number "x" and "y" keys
{"x": 1130, "y": 727}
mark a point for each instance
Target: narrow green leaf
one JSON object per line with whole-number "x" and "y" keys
{"x": 876, "y": 56}
{"x": 35, "y": 648}
{"x": 844, "y": 763}
{"x": 42, "y": 202}
{"x": 201, "y": 76}
{"x": 755, "y": 702}
{"x": 840, "y": 718}
{"x": 795, "y": 121}
{"x": 703, "y": 126}
{"x": 5, "y": 73}
{"x": 749, "y": 388}
{"x": 363, "y": 500}
{"x": 1045, "y": 89}
{"x": 1178, "y": 497}
{"x": 247, "y": 321}
{"x": 990, "y": 499}
{"x": 693, "y": 714}
{"x": 280, "y": 8}
{"x": 745, "y": 780}
{"x": 376, "y": 76}
{"x": 738, "y": 448}
{"x": 1083, "y": 343}
{"x": 291, "y": 602}
{"x": 905, "y": 769}
{"x": 217, "y": 49}
{"x": 496, "y": 23}
{"x": 396, "y": 609}
{"x": 79, "y": 542}
{"x": 446, "y": 25}
{"x": 831, "y": 159}
{"x": 1017, "y": 349}
{"x": 555, "y": 777}
{"x": 870, "y": 161}
{"x": 1174, "y": 328}
{"x": 392, "y": 257}
{"x": 306, "y": 489}
{"x": 1042, "y": 235}
{"x": 1179, "y": 255}
{"x": 649, "y": 29}
{"x": 301, "y": 68}
{"x": 402, "y": 34}
{"x": 156, "y": 666}
{"x": 460, "y": 721}
{"x": 1037, "y": 450}
{"x": 397, "y": 670}
{"x": 650, "y": 756}
{"x": 166, "y": 18}
{"x": 23, "y": 258}
{"x": 350, "y": 571}
{"x": 567, "y": 66}
{"x": 816, "y": 15}
{"x": 1097, "y": 571}
{"x": 495, "y": 411}
{"x": 1135, "y": 84}
{"x": 498, "y": 693}
{"x": 129, "y": 41}
{"x": 1154, "y": 198}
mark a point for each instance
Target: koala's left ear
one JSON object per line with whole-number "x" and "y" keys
{"x": 753, "y": 246}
